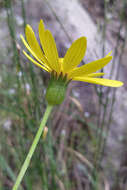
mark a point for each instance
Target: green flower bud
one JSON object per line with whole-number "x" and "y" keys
{"x": 56, "y": 90}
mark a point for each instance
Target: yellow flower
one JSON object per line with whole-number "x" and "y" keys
{"x": 63, "y": 70}
{"x": 49, "y": 60}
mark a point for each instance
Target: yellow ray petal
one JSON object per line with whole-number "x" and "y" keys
{"x": 41, "y": 30}
{"x": 95, "y": 75}
{"x": 33, "y": 43}
{"x": 35, "y": 62}
{"x": 50, "y": 50}
{"x": 90, "y": 67}
{"x": 109, "y": 54}
{"x": 74, "y": 54}
{"x": 100, "y": 81}
{"x": 30, "y": 50}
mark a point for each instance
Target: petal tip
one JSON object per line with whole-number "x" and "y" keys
{"x": 28, "y": 26}
{"x": 21, "y": 36}
{"x": 120, "y": 84}
{"x": 41, "y": 21}
{"x": 28, "y": 29}
{"x": 83, "y": 38}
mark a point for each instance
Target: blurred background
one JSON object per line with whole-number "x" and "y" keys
{"x": 85, "y": 148}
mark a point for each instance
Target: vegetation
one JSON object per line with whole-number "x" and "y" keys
{"x": 71, "y": 155}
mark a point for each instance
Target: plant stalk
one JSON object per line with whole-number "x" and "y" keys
{"x": 32, "y": 148}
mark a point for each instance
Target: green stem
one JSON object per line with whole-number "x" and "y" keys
{"x": 32, "y": 148}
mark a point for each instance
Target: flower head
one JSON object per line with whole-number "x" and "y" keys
{"x": 67, "y": 68}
